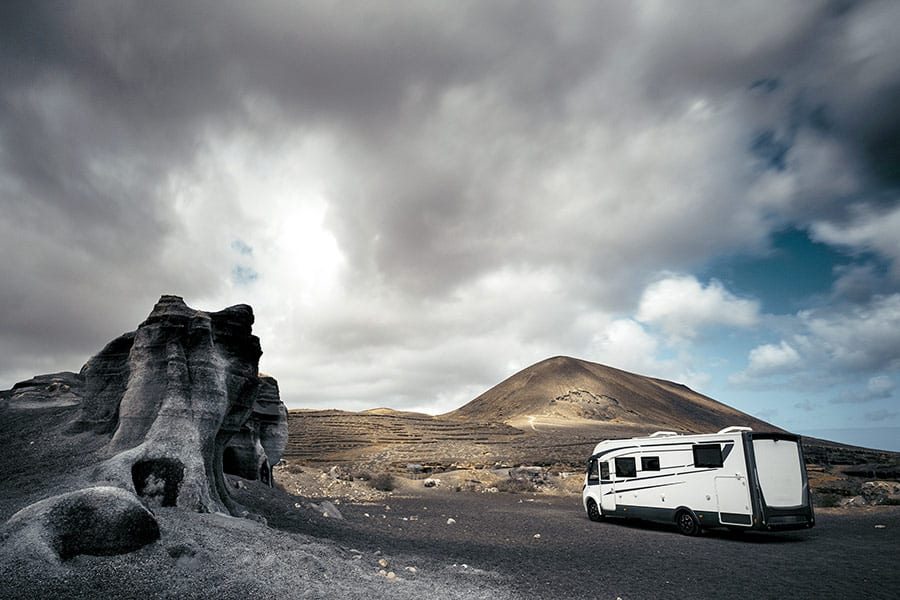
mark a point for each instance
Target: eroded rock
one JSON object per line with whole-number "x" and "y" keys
{"x": 174, "y": 394}
{"x": 98, "y": 520}
{"x": 178, "y": 399}
{"x": 258, "y": 446}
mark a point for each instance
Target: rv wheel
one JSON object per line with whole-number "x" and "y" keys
{"x": 593, "y": 511}
{"x": 687, "y": 523}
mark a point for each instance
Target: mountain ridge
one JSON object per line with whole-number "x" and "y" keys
{"x": 552, "y": 412}
{"x": 566, "y": 389}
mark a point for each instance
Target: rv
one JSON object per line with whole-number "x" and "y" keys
{"x": 736, "y": 478}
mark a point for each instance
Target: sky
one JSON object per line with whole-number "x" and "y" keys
{"x": 420, "y": 199}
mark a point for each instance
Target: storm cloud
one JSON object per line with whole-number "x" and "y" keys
{"x": 419, "y": 199}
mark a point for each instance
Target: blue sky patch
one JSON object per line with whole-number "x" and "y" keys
{"x": 242, "y": 275}
{"x": 790, "y": 277}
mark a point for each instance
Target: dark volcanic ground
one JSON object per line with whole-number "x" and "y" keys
{"x": 849, "y": 554}
{"x": 489, "y": 552}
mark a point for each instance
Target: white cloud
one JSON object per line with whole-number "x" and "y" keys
{"x": 830, "y": 347}
{"x": 869, "y": 229}
{"x": 682, "y": 306}
{"x": 625, "y": 344}
{"x": 880, "y": 386}
{"x": 859, "y": 339}
{"x": 771, "y": 359}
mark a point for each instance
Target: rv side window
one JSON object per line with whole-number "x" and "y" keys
{"x": 625, "y": 467}
{"x": 649, "y": 463}
{"x": 593, "y": 473}
{"x": 707, "y": 455}
{"x": 604, "y": 470}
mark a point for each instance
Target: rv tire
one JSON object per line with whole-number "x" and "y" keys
{"x": 687, "y": 522}
{"x": 593, "y": 511}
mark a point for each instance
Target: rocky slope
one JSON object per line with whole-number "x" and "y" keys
{"x": 552, "y": 412}
{"x": 568, "y": 389}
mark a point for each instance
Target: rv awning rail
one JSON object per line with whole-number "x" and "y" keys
{"x": 663, "y": 434}
{"x": 735, "y": 429}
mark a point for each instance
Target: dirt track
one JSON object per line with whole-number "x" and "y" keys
{"x": 845, "y": 556}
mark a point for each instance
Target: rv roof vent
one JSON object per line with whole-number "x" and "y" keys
{"x": 735, "y": 429}
{"x": 663, "y": 434}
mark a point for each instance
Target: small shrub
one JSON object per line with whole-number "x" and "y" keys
{"x": 383, "y": 482}
{"x": 826, "y": 500}
{"x": 340, "y": 473}
{"x": 516, "y": 486}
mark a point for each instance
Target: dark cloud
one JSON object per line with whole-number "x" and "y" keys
{"x": 447, "y": 177}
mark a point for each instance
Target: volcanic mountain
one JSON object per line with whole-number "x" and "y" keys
{"x": 551, "y": 412}
{"x": 563, "y": 390}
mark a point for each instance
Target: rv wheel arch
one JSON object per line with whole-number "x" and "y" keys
{"x": 593, "y": 510}
{"x": 687, "y": 522}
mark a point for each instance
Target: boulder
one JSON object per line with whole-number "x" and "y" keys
{"x": 881, "y": 492}
{"x": 535, "y": 475}
{"x": 96, "y": 520}
{"x": 327, "y": 509}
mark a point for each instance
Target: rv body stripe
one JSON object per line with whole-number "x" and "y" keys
{"x": 646, "y": 487}
{"x": 620, "y": 482}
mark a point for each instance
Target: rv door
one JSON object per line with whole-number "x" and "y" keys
{"x": 607, "y": 489}
{"x": 733, "y": 499}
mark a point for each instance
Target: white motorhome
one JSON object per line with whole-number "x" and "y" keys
{"x": 736, "y": 478}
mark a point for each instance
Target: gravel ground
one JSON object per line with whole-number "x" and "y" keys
{"x": 216, "y": 556}
{"x": 544, "y": 547}
{"x": 437, "y": 543}
{"x": 499, "y": 546}
{"x": 198, "y": 555}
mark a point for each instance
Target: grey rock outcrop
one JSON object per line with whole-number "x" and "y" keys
{"x": 44, "y": 391}
{"x": 534, "y": 475}
{"x": 881, "y": 492}
{"x": 258, "y": 446}
{"x": 192, "y": 382}
{"x": 175, "y": 398}
{"x": 97, "y": 520}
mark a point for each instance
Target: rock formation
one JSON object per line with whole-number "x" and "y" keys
{"x": 179, "y": 400}
{"x": 257, "y": 447}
